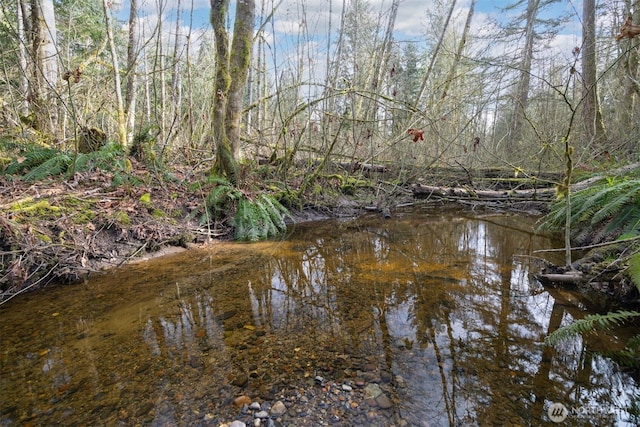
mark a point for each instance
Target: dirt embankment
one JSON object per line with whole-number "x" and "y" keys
{"x": 61, "y": 231}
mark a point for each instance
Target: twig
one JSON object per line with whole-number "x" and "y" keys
{"x": 595, "y": 245}
{"x": 26, "y": 288}
{"x": 133, "y": 254}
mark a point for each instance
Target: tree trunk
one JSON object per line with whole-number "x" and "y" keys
{"x": 23, "y": 30}
{"x": 225, "y": 161}
{"x": 132, "y": 61}
{"x": 122, "y": 120}
{"x": 591, "y": 112}
{"x": 434, "y": 54}
{"x": 461, "y": 45}
{"x": 240, "y": 61}
{"x": 522, "y": 91}
{"x": 42, "y": 91}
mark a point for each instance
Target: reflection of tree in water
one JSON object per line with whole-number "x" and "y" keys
{"x": 436, "y": 310}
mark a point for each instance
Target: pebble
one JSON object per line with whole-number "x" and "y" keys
{"x": 332, "y": 402}
{"x": 278, "y": 408}
{"x": 372, "y": 391}
{"x": 261, "y": 414}
{"x": 384, "y": 402}
{"x": 242, "y": 400}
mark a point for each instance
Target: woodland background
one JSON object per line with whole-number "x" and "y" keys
{"x": 491, "y": 96}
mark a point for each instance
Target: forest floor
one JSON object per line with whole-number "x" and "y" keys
{"x": 61, "y": 231}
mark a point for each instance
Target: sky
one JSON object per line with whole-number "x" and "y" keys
{"x": 412, "y": 23}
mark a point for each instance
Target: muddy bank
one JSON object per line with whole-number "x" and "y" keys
{"x": 59, "y": 231}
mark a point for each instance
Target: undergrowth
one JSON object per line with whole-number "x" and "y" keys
{"x": 603, "y": 213}
{"x": 37, "y": 162}
{"x": 256, "y": 217}
{"x": 608, "y": 212}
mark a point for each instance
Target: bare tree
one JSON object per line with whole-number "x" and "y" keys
{"x": 22, "y": 42}
{"x": 592, "y": 114}
{"x": 44, "y": 76}
{"x": 521, "y": 99}
{"x": 132, "y": 61}
{"x": 122, "y": 119}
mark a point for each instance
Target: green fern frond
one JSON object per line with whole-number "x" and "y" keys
{"x": 54, "y": 166}
{"x": 265, "y": 225}
{"x": 634, "y": 269}
{"x": 627, "y": 220}
{"x": 246, "y": 221}
{"x": 32, "y": 158}
{"x": 218, "y": 197}
{"x": 259, "y": 219}
{"x": 105, "y": 158}
{"x": 590, "y": 324}
{"x": 614, "y": 200}
{"x": 276, "y": 211}
{"x": 219, "y": 180}
{"x": 615, "y": 204}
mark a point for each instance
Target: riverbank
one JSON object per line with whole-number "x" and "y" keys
{"x": 62, "y": 231}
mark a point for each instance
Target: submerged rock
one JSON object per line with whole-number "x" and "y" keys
{"x": 278, "y": 408}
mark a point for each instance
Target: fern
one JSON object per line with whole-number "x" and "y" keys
{"x": 247, "y": 221}
{"x": 215, "y": 179}
{"x": 276, "y": 211}
{"x": 32, "y": 158}
{"x": 634, "y": 269}
{"x": 40, "y": 162}
{"x": 259, "y": 219}
{"x": 255, "y": 218}
{"x": 105, "y": 159}
{"x": 615, "y": 199}
{"x": 613, "y": 207}
{"x": 627, "y": 221}
{"x": 221, "y": 198}
{"x": 54, "y": 166}
{"x": 590, "y": 324}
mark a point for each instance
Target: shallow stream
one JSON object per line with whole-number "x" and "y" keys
{"x": 431, "y": 318}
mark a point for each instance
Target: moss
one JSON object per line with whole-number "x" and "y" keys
{"x": 43, "y": 237}
{"x": 4, "y": 162}
{"x": 157, "y": 213}
{"x": 81, "y": 211}
{"x": 30, "y": 208}
{"x": 350, "y": 185}
{"x": 145, "y": 199}
{"x": 176, "y": 213}
{"x": 123, "y": 218}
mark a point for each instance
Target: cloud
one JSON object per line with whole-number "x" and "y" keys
{"x": 166, "y": 6}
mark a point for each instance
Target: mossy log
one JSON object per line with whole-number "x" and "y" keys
{"x": 427, "y": 191}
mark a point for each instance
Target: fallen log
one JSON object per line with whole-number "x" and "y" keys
{"x": 365, "y": 167}
{"x": 570, "y": 277}
{"x": 425, "y": 191}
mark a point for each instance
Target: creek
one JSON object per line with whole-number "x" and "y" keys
{"x": 431, "y": 318}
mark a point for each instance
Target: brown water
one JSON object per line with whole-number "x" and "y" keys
{"x": 437, "y": 307}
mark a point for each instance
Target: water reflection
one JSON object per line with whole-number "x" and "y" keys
{"x": 438, "y": 309}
